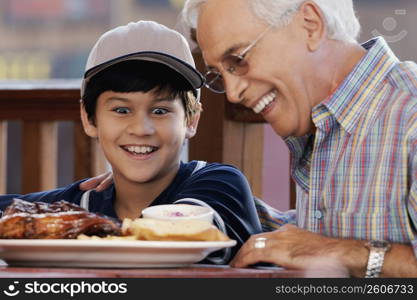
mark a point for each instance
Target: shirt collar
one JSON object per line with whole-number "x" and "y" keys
{"x": 355, "y": 94}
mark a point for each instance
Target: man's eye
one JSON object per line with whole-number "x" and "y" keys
{"x": 121, "y": 110}
{"x": 159, "y": 111}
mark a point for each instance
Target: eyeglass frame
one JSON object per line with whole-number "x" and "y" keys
{"x": 240, "y": 57}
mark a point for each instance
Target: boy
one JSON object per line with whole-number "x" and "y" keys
{"x": 140, "y": 101}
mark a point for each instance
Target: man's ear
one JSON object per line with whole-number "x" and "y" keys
{"x": 314, "y": 24}
{"x": 192, "y": 125}
{"x": 89, "y": 128}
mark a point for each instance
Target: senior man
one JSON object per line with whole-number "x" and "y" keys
{"x": 348, "y": 113}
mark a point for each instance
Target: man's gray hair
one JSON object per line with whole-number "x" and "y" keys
{"x": 341, "y": 21}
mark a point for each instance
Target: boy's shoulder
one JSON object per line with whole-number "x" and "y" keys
{"x": 204, "y": 174}
{"x": 198, "y": 168}
{"x": 206, "y": 181}
{"x": 70, "y": 193}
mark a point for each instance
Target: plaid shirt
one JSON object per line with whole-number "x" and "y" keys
{"x": 357, "y": 176}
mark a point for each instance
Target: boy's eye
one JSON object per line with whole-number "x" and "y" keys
{"x": 121, "y": 110}
{"x": 159, "y": 111}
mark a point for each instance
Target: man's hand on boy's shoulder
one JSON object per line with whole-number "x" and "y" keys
{"x": 98, "y": 183}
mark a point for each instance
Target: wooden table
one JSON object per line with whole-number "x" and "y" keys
{"x": 194, "y": 271}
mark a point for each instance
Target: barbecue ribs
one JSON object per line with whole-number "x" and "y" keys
{"x": 59, "y": 220}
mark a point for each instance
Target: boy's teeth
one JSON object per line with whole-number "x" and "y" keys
{"x": 264, "y": 102}
{"x": 139, "y": 149}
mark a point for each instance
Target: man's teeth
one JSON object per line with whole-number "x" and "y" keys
{"x": 139, "y": 149}
{"x": 264, "y": 102}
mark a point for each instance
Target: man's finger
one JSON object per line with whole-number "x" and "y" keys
{"x": 94, "y": 182}
{"x": 105, "y": 183}
{"x": 249, "y": 253}
{"x": 258, "y": 248}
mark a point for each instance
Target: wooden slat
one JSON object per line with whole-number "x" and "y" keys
{"x": 243, "y": 148}
{"x": 39, "y": 100}
{"x": 3, "y": 156}
{"x": 233, "y": 152}
{"x": 49, "y": 155}
{"x": 31, "y": 152}
{"x": 82, "y": 152}
{"x": 253, "y": 156}
{"x": 39, "y": 156}
{"x": 100, "y": 165}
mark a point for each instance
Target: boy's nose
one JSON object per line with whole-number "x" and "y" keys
{"x": 141, "y": 126}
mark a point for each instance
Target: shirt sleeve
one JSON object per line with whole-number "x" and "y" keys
{"x": 271, "y": 218}
{"x": 412, "y": 196}
{"x": 70, "y": 193}
{"x": 226, "y": 190}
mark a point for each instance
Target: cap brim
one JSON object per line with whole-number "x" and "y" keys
{"x": 187, "y": 71}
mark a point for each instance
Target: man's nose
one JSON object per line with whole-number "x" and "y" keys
{"x": 235, "y": 87}
{"x": 141, "y": 126}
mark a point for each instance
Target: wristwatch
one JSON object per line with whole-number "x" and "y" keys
{"x": 377, "y": 250}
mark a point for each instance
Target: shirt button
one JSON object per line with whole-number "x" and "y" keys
{"x": 318, "y": 214}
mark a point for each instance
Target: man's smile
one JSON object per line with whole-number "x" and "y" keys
{"x": 264, "y": 101}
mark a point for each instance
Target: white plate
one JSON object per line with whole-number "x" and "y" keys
{"x": 106, "y": 253}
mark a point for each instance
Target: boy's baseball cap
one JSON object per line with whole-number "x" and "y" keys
{"x": 143, "y": 40}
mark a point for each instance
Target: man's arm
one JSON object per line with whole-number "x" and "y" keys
{"x": 295, "y": 248}
{"x": 400, "y": 261}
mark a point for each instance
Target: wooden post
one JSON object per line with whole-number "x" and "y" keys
{"x": 31, "y": 179}
{"x": 253, "y": 162}
{"x": 39, "y": 140}
{"x": 100, "y": 164}
{"x": 49, "y": 155}
{"x": 3, "y": 156}
{"x": 82, "y": 152}
{"x": 31, "y": 152}
{"x": 89, "y": 158}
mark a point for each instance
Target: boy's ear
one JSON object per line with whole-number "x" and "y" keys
{"x": 192, "y": 125}
{"x": 89, "y": 128}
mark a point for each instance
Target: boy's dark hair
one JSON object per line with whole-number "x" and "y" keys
{"x": 140, "y": 76}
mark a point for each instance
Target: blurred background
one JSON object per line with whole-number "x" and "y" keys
{"x": 43, "y": 39}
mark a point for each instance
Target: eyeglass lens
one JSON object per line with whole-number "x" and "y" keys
{"x": 214, "y": 81}
{"x": 235, "y": 64}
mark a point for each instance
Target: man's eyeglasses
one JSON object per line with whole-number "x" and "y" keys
{"x": 235, "y": 64}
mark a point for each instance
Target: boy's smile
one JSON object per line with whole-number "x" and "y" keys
{"x": 139, "y": 151}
